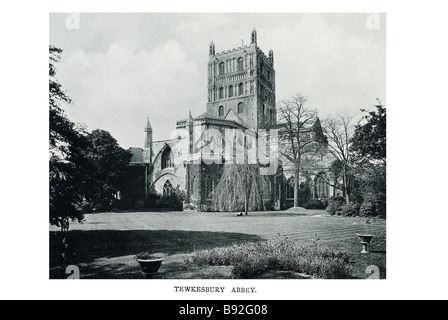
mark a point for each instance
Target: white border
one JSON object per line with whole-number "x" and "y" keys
{"x": 416, "y": 86}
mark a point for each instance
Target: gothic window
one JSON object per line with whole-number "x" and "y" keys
{"x": 240, "y": 108}
{"x": 321, "y": 188}
{"x": 167, "y": 159}
{"x": 290, "y": 188}
{"x": 221, "y": 68}
{"x": 221, "y": 93}
{"x": 240, "y": 64}
{"x": 167, "y": 189}
{"x": 221, "y": 111}
{"x": 240, "y": 89}
{"x": 230, "y": 91}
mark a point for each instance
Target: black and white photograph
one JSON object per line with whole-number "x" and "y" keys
{"x": 223, "y": 159}
{"x": 217, "y": 146}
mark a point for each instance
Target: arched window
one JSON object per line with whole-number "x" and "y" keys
{"x": 321, "y": 188}
{"x": 221, "y": 93}
{"x": 167, "y": 189}
{"x": 240, "y": 64}
{"x": 221, "y": 111}
{"x": 240, "y": 108}
{"x": 221, "y": 68}
{"x": 166, "y": 158}
{"x": 240, "y": 89}
{"x": 230, "y": 91}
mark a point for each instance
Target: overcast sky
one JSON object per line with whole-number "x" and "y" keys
{"x": 120, "y": 69}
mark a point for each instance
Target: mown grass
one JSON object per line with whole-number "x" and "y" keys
{"x": 253, "y": 259}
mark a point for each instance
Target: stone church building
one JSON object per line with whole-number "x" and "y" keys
{"x": 241, "y": 96}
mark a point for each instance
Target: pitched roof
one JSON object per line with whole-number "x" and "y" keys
{"x": 232, "y": 116}
{"x": 232, "y": 120}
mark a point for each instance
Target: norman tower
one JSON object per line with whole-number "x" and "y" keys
{"x": 242, "y": 80}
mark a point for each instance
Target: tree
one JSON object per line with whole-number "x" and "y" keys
{"x": 369, "y": 139}
{"x": 339, "y": 131}
{"x": 336, "y": 174}
{"x": 300, "y": 135}
{"x": 108, "y": 163}
{"x": 371, "y": 185}
{"x": 369, "y": 145}
{"x": 241, "y": 186}
{"x": 67, "y": 161}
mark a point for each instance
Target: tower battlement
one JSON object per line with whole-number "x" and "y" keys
{"x": 242, "y": 79}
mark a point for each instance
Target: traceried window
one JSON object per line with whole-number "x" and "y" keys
{"x": 321, "y": 188}
{"x": 221, "y": 93}
{"x": 240, "y": 108}
{"x": 167, "y": 159}
{"x": 221, "y": 68}
{"x": 167, "y": 189}
{"x": 241, "y": 89}
{"x": 230, "y": 91}
{"x": 240, "y": 64}
{"x": 221, "y": 111}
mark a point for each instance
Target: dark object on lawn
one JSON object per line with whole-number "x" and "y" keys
{"x": 239, "y": 214}
{"x": 365, "y": 240}
{"x": 150, "y": 264}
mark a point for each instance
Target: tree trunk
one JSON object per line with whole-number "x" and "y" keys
{"x": 246, "y": 204}
{"x": 296, "y": 183}
{"x": 346, "y": 195}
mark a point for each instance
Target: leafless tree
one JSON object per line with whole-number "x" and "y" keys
{"x": 300, "y": 135}
{"x": 339, "y": 131}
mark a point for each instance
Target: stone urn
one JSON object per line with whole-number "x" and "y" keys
{"x": 365, "y": 240}
{"x": 149, "y": 264}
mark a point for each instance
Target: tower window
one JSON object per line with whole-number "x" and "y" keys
{"x": 240, "y": 64}
{"x": 240, "y": 108}
{"x": 166, "y": 158}
{"x": 240, "y": 89}
{"x": 221, "y": 68}
{"x": 230, "y": 91}
{"x": 221, "y": 93}
{"x": 221, "y": 111}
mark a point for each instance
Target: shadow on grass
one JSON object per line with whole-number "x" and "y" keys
{"x": 100, "y": 252}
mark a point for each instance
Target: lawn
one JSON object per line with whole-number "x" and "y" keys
{"x": 104, "y": 245}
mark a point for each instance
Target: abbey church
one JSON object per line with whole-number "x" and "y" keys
{"x": 241, "y": 96}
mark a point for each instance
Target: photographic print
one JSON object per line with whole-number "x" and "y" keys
{"x": 217, "y": 146}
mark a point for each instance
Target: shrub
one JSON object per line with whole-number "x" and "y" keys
{"x": 350, "y": 209}
{"x": 252, "y": 259}
{"x": 139, "y": 204}
{"x": 314, "y": 204}
{"x": 335, "y": 205}
{"x": 151, "y": 200}
{"x": 190, "y": 207}
{"x": 368, "y": 209}
{"x": 381, "y": 209}
{"x": 169, "y": 203}
{"x": 86, "y": 207}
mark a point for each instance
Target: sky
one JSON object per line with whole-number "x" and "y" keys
{"x": 120, "y": 69}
